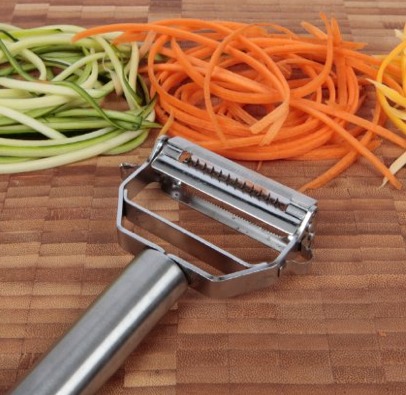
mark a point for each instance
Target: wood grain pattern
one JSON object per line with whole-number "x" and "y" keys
{"x": 339, "y": 330}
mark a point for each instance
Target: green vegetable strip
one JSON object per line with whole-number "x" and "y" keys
{"x": 9, "y": 28}
{"x": 45, "y": 143}
{"x": 37, "y": 62}
{"x": 129, "y": 116}
{"x": 77, "y": 65}
{"x": 53, "y": 150}
{"x": 14, "y": 63}
{"x": 34, "y": 102}
{"x": 62, "y": 125}
{"x": 19, "y": 33}
{"x": 132, "y": 144}
{"x": 81, "y": 154}
{"x": 52, "y": 40}
{"x": 133, "y": 66}
{"x": 13, "y": 93}
{"x": 119, "y": 71}
{"x": 29, "y": 55}
{"x": 84, "y": 94}
{"x": 12, "y": 159}
{"x": 31, "y": 122}
{"x": 89, "y": 81}
{"x": 60, "y": 88}
{"x": 9, "y": 70}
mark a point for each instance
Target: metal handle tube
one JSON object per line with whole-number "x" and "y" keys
{"x": 97, "y": 345}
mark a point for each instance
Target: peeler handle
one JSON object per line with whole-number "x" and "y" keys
{"x": 97, "y": 345}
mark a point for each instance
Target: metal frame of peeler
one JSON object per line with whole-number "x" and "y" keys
{"x": 238, "y": 274}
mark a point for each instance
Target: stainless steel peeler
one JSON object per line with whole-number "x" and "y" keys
{"x": 277, "y": 220}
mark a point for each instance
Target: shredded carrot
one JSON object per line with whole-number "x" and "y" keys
{"x": 263, "y": 92}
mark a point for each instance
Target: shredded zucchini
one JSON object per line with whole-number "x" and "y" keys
{"x": 53, "y": 94}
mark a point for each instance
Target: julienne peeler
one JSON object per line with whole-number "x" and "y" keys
{"x": 277, "y": 220}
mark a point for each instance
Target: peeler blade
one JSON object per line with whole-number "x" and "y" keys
{"x": 274, "y": 215}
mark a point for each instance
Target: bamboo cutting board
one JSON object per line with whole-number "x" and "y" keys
{"x": 341, "y": 329}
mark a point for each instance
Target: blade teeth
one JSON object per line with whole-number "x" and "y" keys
{"x": 234, "y": 182}
{"x": 250, "y": 223}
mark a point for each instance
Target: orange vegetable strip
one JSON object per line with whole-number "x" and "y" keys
{"x": 162, "y": 67}
{"x": 239, "y": 112}
{"x": 279, "y": 112}
{"x": 306, "y": 141}
{"x": 351, "y": 104}
{"x": 206, "y": 86}
{"x": 221, "y": 73}
{"x": 179, "y": 106}
{"x": 194, "y": 114}
{"x": 144, "y": 27}
{"x": 351, "y": 89}
{"x": 360, "y": 148}
{"x": 341, "y": 71}
{"x": 340, "y": 167}
{"x": 188, "y": 92}
{"x": 256, "y": 64}
{"x": 165, "y": 128}
{"x": 265, "y": 70}
{"x": 315, "y": 31}
{"x": 194, "y": 23}
{"x": 276, "y": 126}
{"x": 335, "y": 30}
{"x": 368, "y": 125}
{"x": 363, "y": 63}
{"x": 282, "y": 85}
{"x": 197, "y": 76}
{"x": 296, "y": 148}
{"x": 309, "y": 87}
{"x": 156, "y": 87}
{"x": 226, "y": 94}
{"x": 333, "y": 152}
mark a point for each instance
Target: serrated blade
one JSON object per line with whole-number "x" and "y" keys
{"x": 258, "y": 197}
{"x": 233, "y": 221}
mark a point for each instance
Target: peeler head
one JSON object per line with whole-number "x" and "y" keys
{"x": 277, "y": 220}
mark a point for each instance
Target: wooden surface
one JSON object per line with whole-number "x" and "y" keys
{"x": 339, "y": 330}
